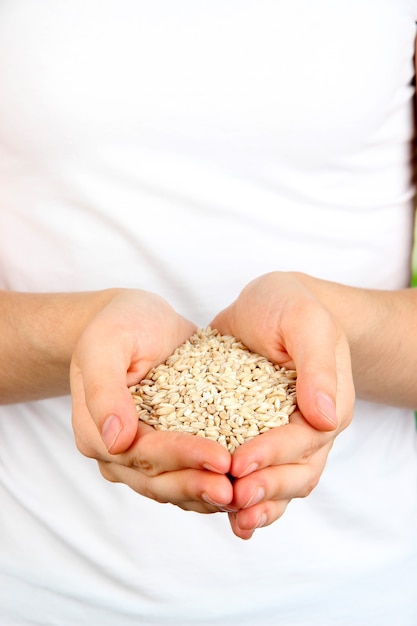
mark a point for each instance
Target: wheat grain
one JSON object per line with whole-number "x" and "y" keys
{"x": 214, "y": 387}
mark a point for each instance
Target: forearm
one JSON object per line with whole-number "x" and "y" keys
{"x": 382, "y": 332}
{"x": 38, "y": 333}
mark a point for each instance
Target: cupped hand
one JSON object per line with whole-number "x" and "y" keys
{"x": 133, "y": 332}
{"x": 272, "y": 469}
{"x": 277, "y": 316}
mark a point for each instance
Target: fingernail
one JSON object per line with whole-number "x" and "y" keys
{"x": 252, "y": 467}
{"x": 325, "y": 404}
{"x": 211, "y": 468}
{"x": 261, "y": 521}
{"x": 257, "y": 496}
{"x": 205, "y": 497}
{"x": 110, "y": 431}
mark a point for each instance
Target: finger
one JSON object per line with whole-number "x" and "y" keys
{"x": 101, "y": 396}
{"x": 155, "y": 452}
{"x": 86, "y": 435}
{"x": 196, "y": 490}
{"x": 295, "y": 442}
{"x": 324, "y": 408}
{"x": 152, "y": 451}
{"x": 244, "y": 523}
{"x": 262, "y": 498}
{"x": 313, "y": 342}
{"x": 282, "y": 482}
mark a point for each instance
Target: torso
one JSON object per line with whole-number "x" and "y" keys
{"x": 186, "y": 148}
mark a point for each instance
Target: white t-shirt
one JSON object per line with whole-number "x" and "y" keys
{"x": 186, "y": 147}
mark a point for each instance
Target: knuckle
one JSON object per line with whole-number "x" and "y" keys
{"x": 83, "y": 447}
{"x": 93, "y": 392}
{"x": 106, "y": 472}
{"x": 310, "y": 485}
{"x": 148, "y": 490}
{"x": 143, "y": 465}
{"x": 309, "y": 449}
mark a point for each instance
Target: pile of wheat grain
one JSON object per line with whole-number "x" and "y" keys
{"x": 213, "y": 386}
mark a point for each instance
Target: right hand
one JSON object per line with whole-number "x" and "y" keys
{"x": 132, "y": 333}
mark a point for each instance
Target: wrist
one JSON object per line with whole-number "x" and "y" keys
{"x": 39, "y": 333}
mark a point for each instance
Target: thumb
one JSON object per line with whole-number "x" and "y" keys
{"x": 324, "y": 376}
{"x": 101, "y": 391}
{"x": 117, "y": 425}
{"x": 311, "y": 347}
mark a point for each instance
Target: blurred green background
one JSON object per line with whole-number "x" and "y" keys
{"x": 414, "y": 276}
{"x": 414, "y": 273}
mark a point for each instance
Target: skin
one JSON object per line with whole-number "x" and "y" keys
{"x": 47, "y": 337}
{"x": 189, "y": 472}
{"x": 347, "y": 321}
{"x": 126, "y": 332}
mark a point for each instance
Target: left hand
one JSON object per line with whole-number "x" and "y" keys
{"x": 272, "y": 469}
{"x": 278, "y": 317}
